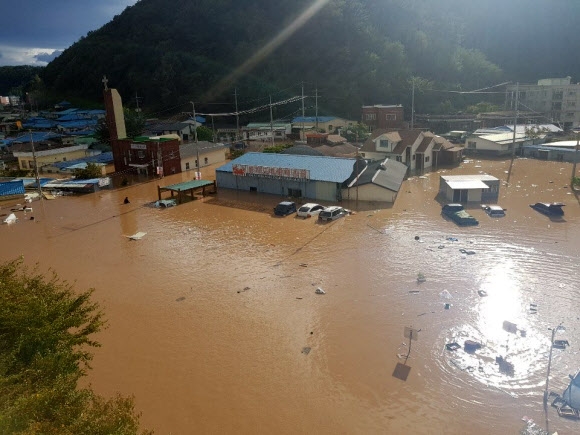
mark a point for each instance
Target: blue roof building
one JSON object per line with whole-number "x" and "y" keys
{"x": 315, "y": 177}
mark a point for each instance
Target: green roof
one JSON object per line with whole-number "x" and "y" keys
{"x": 193, "y": 184}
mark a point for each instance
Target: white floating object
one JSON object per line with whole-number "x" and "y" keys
{"x": 319, "y": 291}
{"x": 10, "y": 219}
{"x": 137, "y": 236}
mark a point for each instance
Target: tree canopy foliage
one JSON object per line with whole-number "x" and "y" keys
{"x": 354, "y": 51}
{"x": 91, "y": 171}
{"x": 46, "y": 331}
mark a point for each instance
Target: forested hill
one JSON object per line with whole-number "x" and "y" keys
{"x": 354, "y": 51}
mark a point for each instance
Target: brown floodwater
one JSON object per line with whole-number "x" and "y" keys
{"x": 210, "y": 313}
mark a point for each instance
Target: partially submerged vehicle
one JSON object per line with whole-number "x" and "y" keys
{"x": 494, "y": 210}
{"x": 549, "y": 208}
{"x": 165, "y": 203}
{"x": 310, "y": 209}
{"x": 332, "y": 213}
{"x": 457, "y": 214}
{"x": 285, "y": 208}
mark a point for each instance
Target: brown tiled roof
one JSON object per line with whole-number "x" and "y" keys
{"x": 424, "y": 144}
{"x": 404, "y": 138}
{"x": 408, "y": 137}
{"x": 342, "y": 150}
{"x": 335, "y": 139}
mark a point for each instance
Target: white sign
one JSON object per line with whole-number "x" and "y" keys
{"x": 138, "y": 146}
{"x": 271, "y": 172}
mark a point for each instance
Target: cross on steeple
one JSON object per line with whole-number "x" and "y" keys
{"x": 105, "y": 81}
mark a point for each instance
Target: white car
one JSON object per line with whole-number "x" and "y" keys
{"x": 309, "y": 210}
{"x": 494, "y": 210}
{"x": 332, "y": 213}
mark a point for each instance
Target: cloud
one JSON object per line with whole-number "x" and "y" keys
{"x": 47, "y": 57}
{"x": 10, "y": 55}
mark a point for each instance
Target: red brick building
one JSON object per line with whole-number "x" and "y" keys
{"x": 383, "y": 117}
{"x": 145, "y": 155}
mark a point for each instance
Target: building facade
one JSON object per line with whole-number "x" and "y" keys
{"x": 147, "y": 156}
{"x": 381, "y": 116}
{"x": 558, "y": 99}
{"x": 469, "y": 188}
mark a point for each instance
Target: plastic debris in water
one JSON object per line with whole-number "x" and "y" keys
{"x": 319, "y": 291}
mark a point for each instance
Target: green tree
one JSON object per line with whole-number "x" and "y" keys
{"x": 46, "y": 331}
{"x": 91, "y": 171}
{"x": 204, "y": 133}
{"x": 134, "y": 126}
{"x": 356, "y": 133}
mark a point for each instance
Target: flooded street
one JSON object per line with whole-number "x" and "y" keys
{"x": 215, "y": 327}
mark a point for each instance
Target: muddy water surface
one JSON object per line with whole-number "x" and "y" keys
{"x": 215, "y": 327}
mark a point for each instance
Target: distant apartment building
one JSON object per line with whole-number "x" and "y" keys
{"x": 383, "y": 117}
{"x": 557, "y": 99}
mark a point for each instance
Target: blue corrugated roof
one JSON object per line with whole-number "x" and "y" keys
{"x": 78, "y": 124}
{"x": 37, "y": 136}
{"x": 300, "y": 119}
{"x": 102, "y": 158}
{"x": 322, "y": 168}
{"x": 15, "y": 187}
{"x": 66, "y": 112}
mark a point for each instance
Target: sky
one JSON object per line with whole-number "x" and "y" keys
{"x": 33, "y": 32}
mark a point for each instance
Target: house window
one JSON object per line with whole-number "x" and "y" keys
{"x": 31, "y": 164}
{"x": 557, "y": 105}
{"x": 399, "y": 158}
{"x": 24, "y": 164}
{"x": 187, "y": 166}
{"x": 205, "y": 160}
{"x": 414, "y": 156}
{"x": 391, "y": 117}
{"x": 371, "y": 116}
{"x": 570, "y": 115}
{"x": 141, "y": 154}
{"x": 426, "y": 158}
{"x": 196, "y": 163}
{"x": 64, "y": 159}
{"x": 384, "y": 143}
{"x": 471, "y": 145}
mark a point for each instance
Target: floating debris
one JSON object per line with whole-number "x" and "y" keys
{"x": 452, "y": 346}
{"x": 560, "y": 344}
{"x": 482, "y": 293}
{"x": 471, "y": 346}
{"x": 306, "y": 350}
{"x": 504, "y": 365}
{"x": 137, "y": 236}
{"x": 319, "y": 291}
{"x": 182, "y": 298}
{"x": 421, "y": 277}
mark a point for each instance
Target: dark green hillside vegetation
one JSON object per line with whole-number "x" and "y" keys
{"x": 356, "y": 52}
{"x": 46, "y": 332}
{"x": 14, "y": 79}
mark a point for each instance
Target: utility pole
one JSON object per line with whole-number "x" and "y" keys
{"x": 303, "y": 135}
{"x": 515, "y": 120}
{"x": 575, "y": 160}
{"x": 212, "y": 129}
{"x": 35, "y": 167}
{"x": 159, "y": 161}
{"x": 357, "y": 170}
{"x": 316, "y": 99}
{"x": 413, "y": 104}
{"x": 195, "y": 136}
{"x": 138, "y": 109}
{"x": 271, "y": 122}
{"x": 237, "y": 116}
{"x": 194, "y": 121}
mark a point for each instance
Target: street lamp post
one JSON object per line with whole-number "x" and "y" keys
{"x": 575, "y": 158}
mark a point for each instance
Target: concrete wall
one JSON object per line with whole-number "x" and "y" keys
{"x": 369, "y": 192}
{"x": 316, "y": 190}
{"x": 212, "y": 156}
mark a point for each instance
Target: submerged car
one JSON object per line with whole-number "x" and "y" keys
{"x": 309, "y": 210}
{"x": 285, "y": 208}
{"x": 332, "y": 213}
{"x": 494, "y": 210}
{"x": 549, "y": 208}
{"x": 457, "y": 214}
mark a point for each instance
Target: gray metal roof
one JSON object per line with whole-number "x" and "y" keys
{"x": 388, "y": 174}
